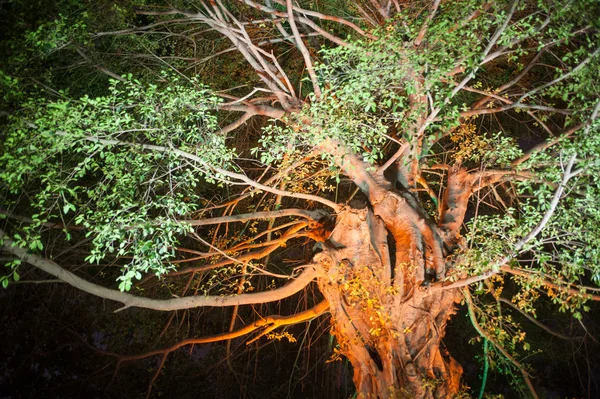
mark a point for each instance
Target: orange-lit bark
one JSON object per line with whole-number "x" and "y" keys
{"x": 384, "y": 318}
{"x": 377, "y": 269}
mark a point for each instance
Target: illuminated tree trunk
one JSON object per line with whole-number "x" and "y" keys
{"x": 377, "y": 267}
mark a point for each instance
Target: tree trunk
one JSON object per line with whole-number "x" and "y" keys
{"x": 377, "y": 265}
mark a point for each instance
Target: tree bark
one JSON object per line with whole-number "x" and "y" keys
{"x": 377, "y": 266}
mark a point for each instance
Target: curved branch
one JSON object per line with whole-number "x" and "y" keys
{"x": 129, "y": 300}
{"x": 268, "y": 324}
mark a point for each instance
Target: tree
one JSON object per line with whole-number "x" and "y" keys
{"x": 442, "y": 147}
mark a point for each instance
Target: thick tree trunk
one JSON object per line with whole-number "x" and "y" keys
{"x": 377, "y": 265}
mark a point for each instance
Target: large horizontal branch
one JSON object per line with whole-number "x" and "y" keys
{"x": 129, "y": 300}
{"x": 486, "y": 178}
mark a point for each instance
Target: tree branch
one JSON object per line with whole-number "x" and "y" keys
{"x": 546, "y": 282}
{"x": 244, "y": 217}
{"x": 303, "y": 50}
{"x": 501, "y": 264}
{"x": 270, "y": 322}
{"x": 423, "y": 31}
{"x": 129, "y": 300}
{"x": 562, "y": 77}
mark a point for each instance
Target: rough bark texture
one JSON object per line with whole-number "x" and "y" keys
{"x": 376, "y": 268}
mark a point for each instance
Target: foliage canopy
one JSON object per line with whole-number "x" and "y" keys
{"x": 122, "y": 136}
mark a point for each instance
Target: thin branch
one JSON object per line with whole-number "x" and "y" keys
{"x": 547, "y": 282}
{"x": 320, "y": 16}
{"x": 524, "y": 72}
{"x": 379, "y": 9}
{"x": 303, "y": 50}
{"x": 25, "y": 219}
{"x": 393, "y": 158}
{"x": 246, "y": 257}
{"x": 488, "y": 177}
{"x": 547, "y": 144}
{"x": 249, "y": 107}
{"x": 98, "y": 67}
{"x": 366, "y": 15}
{"x": 239, "y": 122}
{"x": 562, "y": 77}
{"x": 435, "y": 111}
{"x": 567, "y": 134}
{"x": 568, "y": 174}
